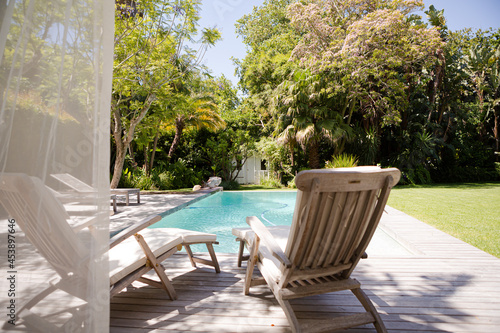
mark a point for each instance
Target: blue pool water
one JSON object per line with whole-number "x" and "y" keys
{"x": 221, "y": 212}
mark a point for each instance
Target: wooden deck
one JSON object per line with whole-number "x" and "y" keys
{"x": 447, "y": 286}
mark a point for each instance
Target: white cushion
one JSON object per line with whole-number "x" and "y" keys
{"x": 190, "y": 236}
{"x": 128, "y": 256}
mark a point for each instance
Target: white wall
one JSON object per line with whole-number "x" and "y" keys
{"x": 250, "y": 169}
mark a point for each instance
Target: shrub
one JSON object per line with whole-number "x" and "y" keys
{"x": 127, "y": 179}
{"x": 271, "y": 182}
{"x": 163, "y": 180}
{"x": 419, "y": 175}
{"x": 342, "y": 161}
{"x": 178, "y": 175}
{"x": 144, "y": 182}
{"x": 230, "y": 185}
{"x": 458, "y": 174}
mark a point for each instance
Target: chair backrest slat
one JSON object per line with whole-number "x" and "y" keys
{"x": 319, "y": 230}
{"x": 73, "y": 182}
{"x": 304, "y": 231}
{"x": 368, "y": 199}
{"x": 335, "y": 217}
{"x": 331, "y": 230}
{"x": 349, "y": 224}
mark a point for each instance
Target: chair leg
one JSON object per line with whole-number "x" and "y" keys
{"x": 211, "y": 251}
{"x": 194, "y": 259}
{"x": 169, "y": 288}
{"x": 190, "y": 254}
{"x": 159, "y": 269}
{"x": 240, "y": 252}
{"x": 290, "y": 314}
{"x": 252, "y": 261}
{"x": 369, "y": 307}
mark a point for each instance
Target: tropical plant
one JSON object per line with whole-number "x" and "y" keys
{"x": 342, "y": 161}
{"x": 311, "y": 116}
{"x": 195, "y": 111}
{"x": 276, "y": 157}
{"x": 482, "y": 65}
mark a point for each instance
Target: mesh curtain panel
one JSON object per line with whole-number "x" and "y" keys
{"x": 55, "y": 89}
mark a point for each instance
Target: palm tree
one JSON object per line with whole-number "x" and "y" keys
{"x": 310, "y": 116}
{"x": 194, "y": 111}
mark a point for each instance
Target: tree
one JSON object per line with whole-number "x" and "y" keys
{"x": 149, "y": 54}
{"x": 226, "y": 97}
{"x": 378, "y": 48}
{"x": 482, "y": 66}
{"x": 308, "y": 114}
{"x": 197, "y": 111}
{"x": 229, "y": 151}
{"x": 270, "y": 40}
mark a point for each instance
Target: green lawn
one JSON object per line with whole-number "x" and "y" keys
{"x": 470, "y": 212}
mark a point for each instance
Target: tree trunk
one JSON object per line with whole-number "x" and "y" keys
{"x": 179, "y": 127}
{"x": 123, "y": 142}
{"x": 120, "y": 147}
{"x": 436, "y": 83}
{"x": 132, "y": 155}
{"x": 155, "y": 143}
{"x": 313, "y": 148}
{"x": 497, "y": 139}
{"x": 119, "y": 161}
{"x": 146, "y": 155}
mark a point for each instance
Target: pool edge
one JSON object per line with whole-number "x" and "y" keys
{"x": 186, "y": 204}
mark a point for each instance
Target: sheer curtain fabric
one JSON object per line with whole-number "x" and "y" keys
{"x": 56, "y": 65}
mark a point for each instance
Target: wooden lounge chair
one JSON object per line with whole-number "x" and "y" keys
{"x": 49, "y": 228}
{"x": 336, "y": 214}
{"x": 83, "y": 188}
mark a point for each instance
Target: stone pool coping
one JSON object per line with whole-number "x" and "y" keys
{"x": 154, "y": 204}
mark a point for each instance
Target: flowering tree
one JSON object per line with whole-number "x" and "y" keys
{"x": 376, "y": 45}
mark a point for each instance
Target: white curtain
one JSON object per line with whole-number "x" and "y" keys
{"x": 56, "y": 60}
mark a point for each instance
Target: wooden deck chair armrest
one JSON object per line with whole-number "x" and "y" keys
{"x": 267, "y": 238}
{"x": 133, "y": 229}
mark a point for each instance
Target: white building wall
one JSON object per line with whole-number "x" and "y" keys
{"x": 250, "y": 169}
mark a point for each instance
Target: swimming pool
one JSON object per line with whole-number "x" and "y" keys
{"x": 221, "y": 212}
